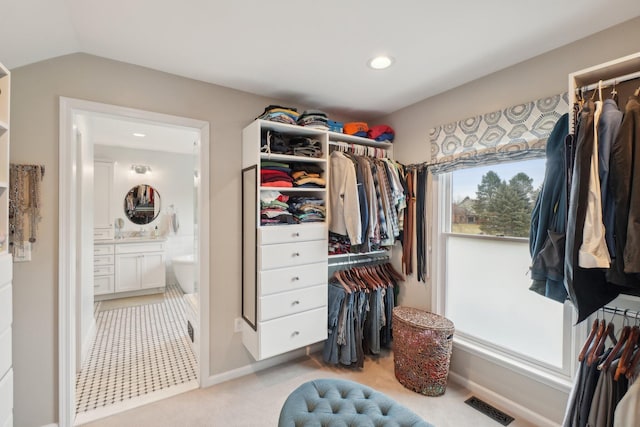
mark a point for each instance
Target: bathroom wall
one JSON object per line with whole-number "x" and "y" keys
{"x": 172, "y": 177}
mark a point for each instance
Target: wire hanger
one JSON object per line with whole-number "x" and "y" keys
{"x": 614, "y": 92}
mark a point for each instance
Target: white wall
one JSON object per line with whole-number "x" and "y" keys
{"x": 541, "y": 76}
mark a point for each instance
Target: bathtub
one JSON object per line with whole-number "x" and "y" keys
{"x": 184, "y": 269}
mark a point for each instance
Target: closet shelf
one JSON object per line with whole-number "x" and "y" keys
{"x": 290, "y": 129}
{"x": 3, "y": 126}
{"x": 291, "y": 158}
{"x": 293, "y": 189}
{"x": 341, "y": 137}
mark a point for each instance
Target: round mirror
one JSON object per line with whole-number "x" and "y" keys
{"x": 142, "y": 204}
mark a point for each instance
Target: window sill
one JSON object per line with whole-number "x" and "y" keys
{"x": 548, "y": 377}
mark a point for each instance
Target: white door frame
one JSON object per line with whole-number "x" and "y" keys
{"x": 67, "y": 234}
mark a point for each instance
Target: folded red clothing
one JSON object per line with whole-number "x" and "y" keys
{"x": 276, "y": 178}
{"x": 375, "y": 131}
{"x": 277, "y": 184}
{"x": 271, "y": 173}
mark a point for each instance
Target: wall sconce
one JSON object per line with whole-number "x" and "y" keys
{"x": 141, "y": 169}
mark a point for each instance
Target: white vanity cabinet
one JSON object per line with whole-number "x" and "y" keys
{"x": 139, "y": 266}
{"x": 102, "y": 185}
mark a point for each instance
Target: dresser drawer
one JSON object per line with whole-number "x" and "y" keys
{"x": 103, "y": 260}
{"x": 102, "y": 270}
{"x": 287, "y": 303}
{"x": 292, "y": 254}
{"x": 6, "y": 305}
{"x": 103, "y": 285}
{"x": 291, "y": 233}
{"x": 288, "y": 333}
{"x": 288, "y": 279}
{"x": 103, "y": 249}
{"x": 6, "y": 398}
{"x": 5, "y": 351}
{"x": 102, "y": 234}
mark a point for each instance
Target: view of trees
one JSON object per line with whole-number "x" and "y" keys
{"x": 501, "y": 207}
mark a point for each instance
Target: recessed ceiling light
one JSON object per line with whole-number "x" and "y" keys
{"x": 380, "y": 62}
{"x": 139, "y": 135}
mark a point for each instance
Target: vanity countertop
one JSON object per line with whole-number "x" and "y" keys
{"x": 129, "y": 240}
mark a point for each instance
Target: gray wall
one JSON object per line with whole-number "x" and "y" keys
{"x": 541, "y": 76}
{"x": 34, "y": 139}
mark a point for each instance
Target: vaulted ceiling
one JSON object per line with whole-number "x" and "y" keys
{"x": 311, "y": 53}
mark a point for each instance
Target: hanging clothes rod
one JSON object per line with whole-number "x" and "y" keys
{"x": 616, "y": 80}
{"x": 365, "y": 260}
{"x": 631, "y": 314}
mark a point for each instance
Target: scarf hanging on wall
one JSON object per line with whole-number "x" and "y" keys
{"x": 25, "y": 201}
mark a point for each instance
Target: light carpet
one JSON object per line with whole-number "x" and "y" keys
{"x": 255, "y": 400}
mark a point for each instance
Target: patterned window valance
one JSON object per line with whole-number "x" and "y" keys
{"x": 517, "y": 132}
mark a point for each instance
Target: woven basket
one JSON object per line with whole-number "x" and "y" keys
{"x": 422, "y": 344}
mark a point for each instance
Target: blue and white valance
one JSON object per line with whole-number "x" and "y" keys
{"x": 517, "y": 132}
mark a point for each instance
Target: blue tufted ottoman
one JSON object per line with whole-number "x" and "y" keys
{"x": 342, "y": 403}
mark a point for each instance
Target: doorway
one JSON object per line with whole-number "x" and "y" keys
{"x": 76, "y": 238}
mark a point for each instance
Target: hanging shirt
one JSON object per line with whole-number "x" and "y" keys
{"x": 628, "y": 410}
{"x": 343, "y": 198}
{"x": 593, "y": 252}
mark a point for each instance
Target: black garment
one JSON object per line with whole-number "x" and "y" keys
{"x": 624, "y": 184}
{"x": 587, "y": 288}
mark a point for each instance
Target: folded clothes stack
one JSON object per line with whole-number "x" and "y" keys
{"x": 314, "y": 119}
{"x": 339, "y": 244}
{"x": 275, "y": 174}
{"x": 277, "y": 143}
{"x": 277, "y": 113}
{"x": 356, "y": 129}
{"x": 274, "y": 209}
{"x": 307, "y": 175}
{"x": 381, "y": 133}
{"x": 307, "y": 209}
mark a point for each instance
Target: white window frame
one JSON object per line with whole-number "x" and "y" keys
{"x": 559, "y": 378}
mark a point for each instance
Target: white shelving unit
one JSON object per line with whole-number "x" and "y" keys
{"x": 284, "y": 266}
{"x": 6, "y": 265}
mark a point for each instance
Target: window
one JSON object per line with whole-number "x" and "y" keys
{"x": 484, "y": 220}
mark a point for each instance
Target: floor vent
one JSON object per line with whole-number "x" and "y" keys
{"x": 489, "y": 410}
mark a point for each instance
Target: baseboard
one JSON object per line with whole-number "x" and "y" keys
{"x": 513, "y": 408}
{"x": 259, "y": 366}
{"x": 51, "y": 425}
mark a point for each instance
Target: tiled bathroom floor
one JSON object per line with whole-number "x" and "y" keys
{"x": 138, "y": 350}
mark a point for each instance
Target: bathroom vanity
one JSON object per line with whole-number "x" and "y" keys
{"x": 128, "y": 267}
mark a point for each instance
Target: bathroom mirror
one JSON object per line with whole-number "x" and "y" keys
{"x": 142, "y": 204}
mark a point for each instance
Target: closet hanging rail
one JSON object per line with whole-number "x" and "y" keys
{"x": 615, "y": 80}
{"x": 624, "y": 312}
{"x": 363, "y": 260}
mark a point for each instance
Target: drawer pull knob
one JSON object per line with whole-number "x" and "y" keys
{"x": 295, "y": 334}
{"x": 295, "y": 279}
{"x": 296, "y": 234}
{"x": 295, "y": 254}
{"x": 296, "y": 302}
